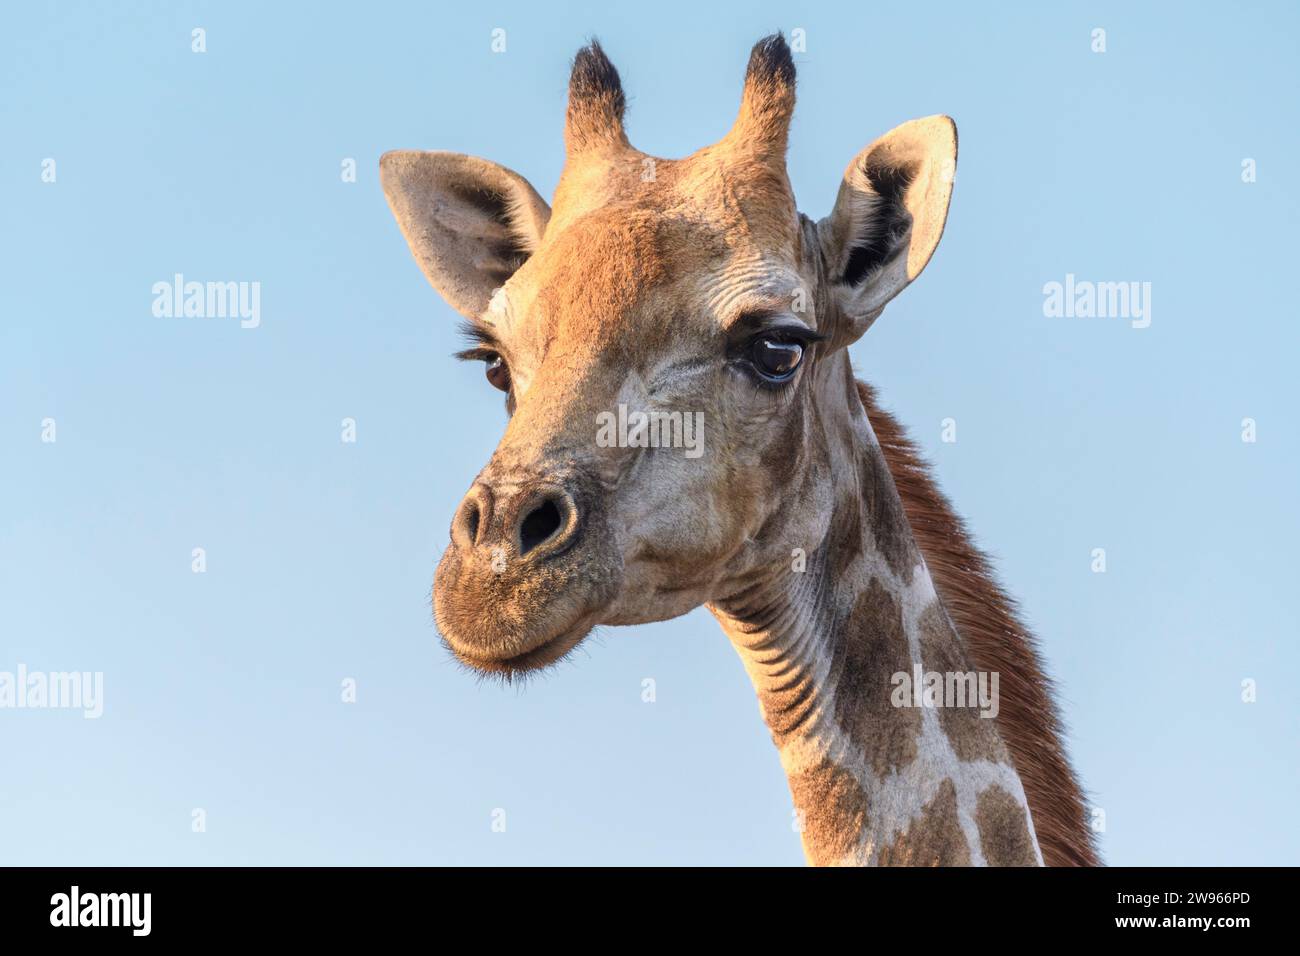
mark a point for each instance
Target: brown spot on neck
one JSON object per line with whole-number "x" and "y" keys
{"x": 935, "y": 838}
{"x": 1004, "y": 829}
{"x": 871, "y": 646}
{"x": 971, "y": 736}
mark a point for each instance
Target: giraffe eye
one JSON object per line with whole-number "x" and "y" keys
{"x": 775, "y": 360}
{"x": 498, "y": 373}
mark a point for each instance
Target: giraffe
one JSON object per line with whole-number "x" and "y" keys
{"x": 808, "y": 523}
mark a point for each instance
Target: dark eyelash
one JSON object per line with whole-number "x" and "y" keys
{"x": 477, "y": 334}
{"x": 787, "y": 333}
{"x": 478, "y": 354}
{"x": 483, "y": 345}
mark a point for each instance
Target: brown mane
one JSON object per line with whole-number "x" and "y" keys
{"x": 985, "y": 617}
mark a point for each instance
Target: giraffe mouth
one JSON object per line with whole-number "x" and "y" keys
{"x": 550, "y": 651}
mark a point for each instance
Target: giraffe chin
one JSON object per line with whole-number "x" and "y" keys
{"x": 550, "y": 651}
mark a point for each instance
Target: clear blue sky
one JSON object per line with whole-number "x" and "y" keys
{"x": 222, "y": 690}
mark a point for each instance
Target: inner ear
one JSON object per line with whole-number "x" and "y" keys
{"x": 888, "y": 218}
{"x": 885, "y": 221}
{"x": 508, "y": 245}
{"x": 470, "y": 223}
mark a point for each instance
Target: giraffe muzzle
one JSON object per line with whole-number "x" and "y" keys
{"x": 529, "y": 570}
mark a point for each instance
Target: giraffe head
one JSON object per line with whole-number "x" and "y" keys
{"x": 670, "y": 337}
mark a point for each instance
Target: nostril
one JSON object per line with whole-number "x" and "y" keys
{"x": 470, "y": 517}
{"x": 538, "y": 525}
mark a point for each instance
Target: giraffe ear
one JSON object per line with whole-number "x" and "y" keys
{"x": 470, "y": 223}
{"x": 888, "y": 217}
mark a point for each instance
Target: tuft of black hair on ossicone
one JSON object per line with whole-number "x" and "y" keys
{"x": 595, "y": 83}
{"x": 771, "y": 62}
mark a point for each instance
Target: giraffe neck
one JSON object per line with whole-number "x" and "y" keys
{"x": 881, "y": 773}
